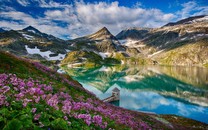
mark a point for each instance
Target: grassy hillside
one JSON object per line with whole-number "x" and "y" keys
{"x": 195, "y": 53}
{"x": 33, "y": 96}
{"x": 87, "y": 59}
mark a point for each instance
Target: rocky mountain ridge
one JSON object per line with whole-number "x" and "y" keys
{"x": 159, "y": 42}
{"x": 188, "y": 20}
{"x": 134, "y": 45}
{"x": 32, "y": 43}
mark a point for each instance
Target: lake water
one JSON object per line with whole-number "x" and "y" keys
{"x": 181, "y": 91}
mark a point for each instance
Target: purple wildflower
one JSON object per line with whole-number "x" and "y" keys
{"x": 33, "y": 110}
{"x": 65, "y": 118}
{"x": 37, "y": 116}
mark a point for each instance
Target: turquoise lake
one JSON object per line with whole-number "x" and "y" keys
{"x": 175, "y": 90}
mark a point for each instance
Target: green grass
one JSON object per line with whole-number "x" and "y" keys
{"x": 24, "y": 69}
{"x": 17, "y": 117}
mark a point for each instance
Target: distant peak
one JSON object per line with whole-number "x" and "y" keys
{"x": 31, "y": 29}
{"x": 188, "y": 20}
{"x": 103, "y": 33}
{"x": 137, "y": 28}
{"x": 104, "y": 30}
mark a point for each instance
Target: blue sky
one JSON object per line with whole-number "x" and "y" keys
{"x": 73, "y": 18}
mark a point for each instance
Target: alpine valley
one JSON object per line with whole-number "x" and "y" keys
{"x": 182, "y": 43}
{"x": 35, "y": 93}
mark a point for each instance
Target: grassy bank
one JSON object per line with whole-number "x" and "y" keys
{"x": 36, "y": 97}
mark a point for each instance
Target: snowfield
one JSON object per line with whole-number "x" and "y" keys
{"x": 44, "y": 54}
{"x": 131, "y": 43}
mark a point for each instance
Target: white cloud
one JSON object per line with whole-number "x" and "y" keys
{"x": 84, "y": 18}
{"x": 96, "y": 15}
{"x": 23, "y": 2}
{"x": 21, "y": 20}
{"x": 65, "y": 15}
{"x": 15, "y": 15}
{"x": 51, "y": 4}
{"x": 192, "y": 8}
{"x": 11, "y": 25}
{"x": 202, "y": 11}
{"x": 187, "y": 8}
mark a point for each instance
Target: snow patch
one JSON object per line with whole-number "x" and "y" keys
{"x": 67, "y": 50}
{"x": 122, "y": 62}
{"x": 33, "y": 31}
{"x": 28, "y": 37}
{"x": 44, "y": 54}
{"x": 131, "y": 43}
{"x": 104, "y": 55}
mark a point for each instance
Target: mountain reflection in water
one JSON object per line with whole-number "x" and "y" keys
{"x": 160, "y": 89}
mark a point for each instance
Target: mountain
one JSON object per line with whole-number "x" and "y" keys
{"x": 32, "y": 29}
{"x": 172, "y": 44}
{"x": 102, "y": 34}
{"x": 100, "y": 41}
{"x": 32, "y": 43}
{"x": 133, "y": 33}
{"x": 103, "y": 43}
{"x": 133, "y": 45}
{"x": 100, "y": 44}
{"x": 189, "y": 20}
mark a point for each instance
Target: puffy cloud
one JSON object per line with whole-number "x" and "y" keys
{"x": 80, "y": 18}
{"x": 96, "y": 15}
{"x": 20, "y": 16}
{"x": 65, "y": 14}
{"x": 11, "y": 25}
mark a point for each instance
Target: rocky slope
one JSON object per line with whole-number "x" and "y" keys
{"x": 133, "y": 33}
{"x": 99, "y": 44}
{"x": 185, "y": 36}
{"x": 170, "y": 44}
{"x": 33, "y": 43}
{"x": 188, "y": 20}
{"x": 104, "y": 44}
{"x": 100, "y": 41}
